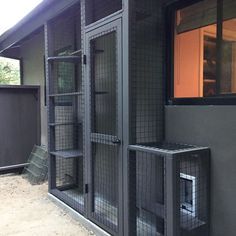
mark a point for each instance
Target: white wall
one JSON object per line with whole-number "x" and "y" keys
{"x": 32, "y": 52}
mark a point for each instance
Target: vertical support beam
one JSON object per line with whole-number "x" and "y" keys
{"x": 132, "y": 193}
{"x": 21, "y": 71}
{"x": 207, "y": 165}
{"x": 50, "y": 109}
{"x": 86, "y": 110}
{"x": 126, "y": 113}
{"x": 172, "y": 196}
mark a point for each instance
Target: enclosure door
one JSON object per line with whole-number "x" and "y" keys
{"x": 104, "y": 84}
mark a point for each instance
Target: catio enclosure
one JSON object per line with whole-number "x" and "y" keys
{"x": 108, "y": 157}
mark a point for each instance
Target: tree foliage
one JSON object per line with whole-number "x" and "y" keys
{"x": 9, "y": 72}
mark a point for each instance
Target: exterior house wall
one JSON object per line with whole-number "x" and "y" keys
{"x": 32, "y": 52}
{"x": 212, "y": 126}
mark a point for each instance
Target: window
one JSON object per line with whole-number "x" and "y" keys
{"x": 204, "y": 52}
{"x": 10, "y": 71}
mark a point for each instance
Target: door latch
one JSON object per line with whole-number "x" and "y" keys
{"x": 116, "y": 141}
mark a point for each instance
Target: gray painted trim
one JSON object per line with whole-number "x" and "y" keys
{"x": 33, "y": 21}
{"x": 75, "y": 215}
{"x": 126, "y": 114}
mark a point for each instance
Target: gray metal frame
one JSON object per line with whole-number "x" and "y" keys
{"x": 172, "y": 184}
{"x": 49, "y": 59}
{"x": 92, "y": 33}
{"x": 51, "y": 164}
{"x": 121, "y": 23}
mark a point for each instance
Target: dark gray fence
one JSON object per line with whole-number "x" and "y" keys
{"x": 19, "y": 124}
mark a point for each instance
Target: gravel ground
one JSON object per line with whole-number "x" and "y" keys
{"x": 26, "y": 211}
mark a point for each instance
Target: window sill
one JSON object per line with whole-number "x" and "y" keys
{"x": 226, "y": 100}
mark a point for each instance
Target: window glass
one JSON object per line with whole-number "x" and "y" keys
{"x": 205, "y": 50}
{"x": 228, "y": 67}
{"x": 10, "y": 71}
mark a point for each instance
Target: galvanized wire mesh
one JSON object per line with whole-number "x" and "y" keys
{"x": 98, "y": 9}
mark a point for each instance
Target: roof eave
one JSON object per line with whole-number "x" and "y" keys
{"x": 33, "y": 21}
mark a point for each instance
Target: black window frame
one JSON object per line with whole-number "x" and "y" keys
{"x": 226, "y": 99}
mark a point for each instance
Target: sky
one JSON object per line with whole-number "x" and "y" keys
{"x": 12, "y": 11}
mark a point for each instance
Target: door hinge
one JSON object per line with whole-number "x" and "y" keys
{"x": 86, "y": 188}
{"x": 84, "y": 59}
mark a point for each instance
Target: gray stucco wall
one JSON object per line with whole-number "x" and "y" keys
{"x": 215, "y": 127}
{"x": 32, "y": 52}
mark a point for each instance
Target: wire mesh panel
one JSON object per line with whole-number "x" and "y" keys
{"x": 104, "y": 84}
{"x": 98, "y": 9}
{"x": 69, "y": 180}
{"x": 104, "y": 130}
{"x": 146, "y": 73}
{"x": 66, "y": 109}
{"x": 147, "y": 206}
{"x": 66, "y": 126}
{"x": 168, "y": 190}
{"x": 66, "y": 32}
{"x": 194, "y": 190}
{"x": 105, "y": 182}
{"x": 104, "y": 126}
{"x": 66, "y": 76}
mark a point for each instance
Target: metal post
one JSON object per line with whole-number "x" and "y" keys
{"x": 172, "y": 197}
{"x": 50, "y": 110}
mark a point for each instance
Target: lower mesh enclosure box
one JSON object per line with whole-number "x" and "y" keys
{"x": 69, "y": 181}
{"x": 169, "y": 190}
